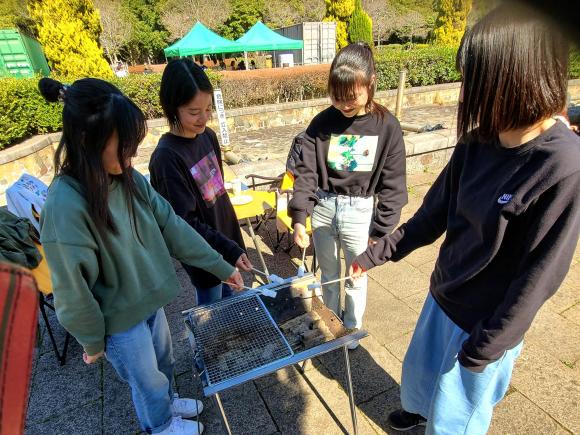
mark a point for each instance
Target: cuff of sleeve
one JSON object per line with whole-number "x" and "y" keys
{"x": 94, "y": 348}
{"x": 364, "y": 261}
{"x": 233, "y": 254}
{"x": 377, "y": 233}
{"x": 469, "y": 361}
{"x": 299, "y": 217}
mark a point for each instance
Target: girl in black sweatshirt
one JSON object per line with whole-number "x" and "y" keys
{"x": 509, "y": 203}
{"x": 352, "y": 154}
{"x": 186, "y": 168}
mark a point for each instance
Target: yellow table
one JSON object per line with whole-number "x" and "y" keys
{"x": 261, "y": 202}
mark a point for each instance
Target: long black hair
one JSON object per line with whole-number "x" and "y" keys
{"x": 181, "y": 81}
{"x": 352, "y": 67}
{"x": 514, "y": 65}
{"x": 93, "y": 111}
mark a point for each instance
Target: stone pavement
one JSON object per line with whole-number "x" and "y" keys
{"x": 274, "y": 143}
{"x": 543, "y": 398}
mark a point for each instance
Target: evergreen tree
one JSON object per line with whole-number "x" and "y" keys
{"x": 451, "y": 21}
{"x": 245, "y": 13}
{"x": 149, "y": 36}
{"x": 360, "y": 27}
{"x": 339, "y": 11}
{"x": 69, "y": 33}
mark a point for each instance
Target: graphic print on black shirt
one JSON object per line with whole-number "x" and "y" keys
{"x": 352, "y": 152}
{"x": 208, "y": 179}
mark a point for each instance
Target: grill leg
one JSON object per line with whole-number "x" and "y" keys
{"x": 221, "y": 407}
{"x": 253, "y": 236}
{"x": 302, "y": 368}
{"x": 350, "y": 394}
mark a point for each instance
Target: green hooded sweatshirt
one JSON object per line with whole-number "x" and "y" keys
{"x": 105, "y": 283}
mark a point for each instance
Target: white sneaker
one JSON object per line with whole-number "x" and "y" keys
{"x": 352, "y": 345}
{"x": 186, "y": 408}
{"x": 183, "y": 427}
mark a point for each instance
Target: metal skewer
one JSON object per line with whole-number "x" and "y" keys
{"x": 328, "y": 282}
{"x": 244, "y": 287}
{"x": 259, "y": 272}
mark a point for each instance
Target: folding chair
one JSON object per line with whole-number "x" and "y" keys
{"x": 42, "y": 275}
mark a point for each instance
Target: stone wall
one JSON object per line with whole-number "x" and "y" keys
{"x": 425, "y": 150}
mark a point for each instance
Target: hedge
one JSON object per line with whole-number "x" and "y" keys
{"x": 23, "y": 112}
{"x": 425, "y": 66}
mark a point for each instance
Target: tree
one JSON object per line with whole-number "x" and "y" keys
{"x": 69, "y": 33}
{"x": 149, "y": 36}
{"x": 244, "y": 14}
{"x": 360, "y": 27}
{"x": 116, "y": 27}
{"x": 411, "y": 24}
{"x": 451, "y": 21}
{"x": 383, "y": 16}
{"x": 339, "y": 11}
{"x": 479, "y": 9}
{"x": 179, "y": 16}
{"x": 13, "y": 14}
{"x": 281, "y": 13}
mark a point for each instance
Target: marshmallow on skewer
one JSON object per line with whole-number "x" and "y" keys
{"x": 301, "y": 271}
{"x": 275, "y": 279}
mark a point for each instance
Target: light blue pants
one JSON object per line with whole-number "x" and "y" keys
{"x": 342, "y": 222}
{"x": 143, "y": 357}
{"x": 210, "y": 295}
{"x": 453, "y": 399}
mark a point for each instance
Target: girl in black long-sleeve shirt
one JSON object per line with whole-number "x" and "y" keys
{"x": 352, "y": 154}
{"x": 509, "y": 203}
{"x": 186, "y": 168}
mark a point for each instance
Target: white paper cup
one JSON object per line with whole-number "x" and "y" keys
{"x": 236, "y": 187}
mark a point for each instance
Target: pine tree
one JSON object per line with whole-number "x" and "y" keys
{"x": 451, "y": 21}
{"x": 69, "y": 33}
{"x": 360, "y": 27}
{"x": 339, "y": 11}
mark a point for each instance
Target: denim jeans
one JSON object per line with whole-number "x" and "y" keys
{"x": 210, "y": 295}
{"x": 452, "y": 398}
{"x": 342, "y": 222}
{"x": 143, "y": 357}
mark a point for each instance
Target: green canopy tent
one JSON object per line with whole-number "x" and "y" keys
{"x": 261, "y": 38}
{"x": 201, "y": 40}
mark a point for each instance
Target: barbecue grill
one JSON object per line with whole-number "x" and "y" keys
{"x": 248, "y": 336}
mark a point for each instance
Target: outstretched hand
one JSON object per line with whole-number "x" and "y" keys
{"x": 356, "y": 271}
{"x": 244, "y": 263}
{"x": 301, "y": 238}
{"x": 235, "y": 281}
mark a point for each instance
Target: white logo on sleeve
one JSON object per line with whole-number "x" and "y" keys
{"x": 505, "y": 198}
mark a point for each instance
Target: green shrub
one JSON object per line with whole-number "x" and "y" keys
{"x": 425, "y": 66}
{"x": 360, "y": 27}
{"x": 23, "y": 112}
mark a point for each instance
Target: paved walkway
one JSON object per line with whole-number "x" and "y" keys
{"x": 543, "y": 398}
{"x": 273, "y": 143}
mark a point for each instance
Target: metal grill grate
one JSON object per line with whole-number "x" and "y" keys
{"x": 235, "y": 337}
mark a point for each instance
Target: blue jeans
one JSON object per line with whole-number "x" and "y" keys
{"x": 342, "y": 222}
{"x": 143, "y": 357}
{"x": 210, "y": 295}
{"x": 452, "y": 398}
